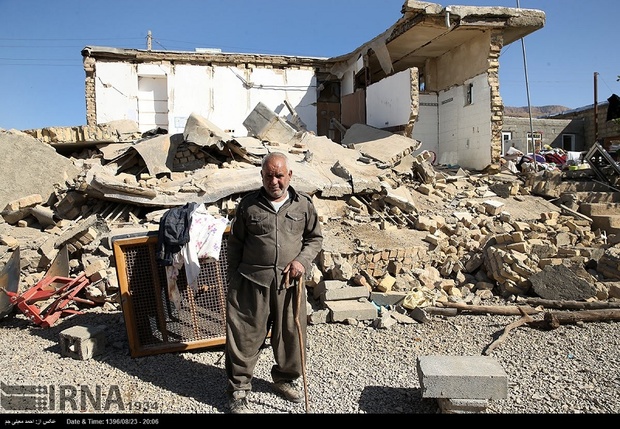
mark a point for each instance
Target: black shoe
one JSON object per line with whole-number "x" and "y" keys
{"x": 239, "y": 403}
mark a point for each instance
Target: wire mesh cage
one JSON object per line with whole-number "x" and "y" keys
{"x": 155, "y": 321}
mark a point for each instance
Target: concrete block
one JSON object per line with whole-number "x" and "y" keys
{"x": 345, "y": 309}
{"x": 345, "y": 293}
{"x": 462, "y": 406}
{"x": 267, "y": 125}
{"x": 325, "y": 285}
{"x": 96, "y": 265}
{"x": 386, "y": 283}
{"x": 462, "y": 377}
{"x": 387, "y": 298}
{"x": 319, "y": 316}
{"x": 492, "y": 207}
{"x": 83, "y": 342}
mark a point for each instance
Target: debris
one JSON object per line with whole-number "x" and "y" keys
{"x": 522, "y": 321}
{"x": 554, "y": 319}
{"x": 504, "y": 310}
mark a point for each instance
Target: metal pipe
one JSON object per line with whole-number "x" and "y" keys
{"x": 529, "y": 104}
{"x": 595, "y": 106}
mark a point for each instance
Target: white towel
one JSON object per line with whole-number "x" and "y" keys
{"x": 205, "y": 241}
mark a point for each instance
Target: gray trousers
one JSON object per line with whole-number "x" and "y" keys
{"x": 251, "y": 311}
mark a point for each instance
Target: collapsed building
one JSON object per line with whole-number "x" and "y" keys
{"x": 401, "y": 236}
{"x": 416, "y": 218}
{"x": 432, "y": 76}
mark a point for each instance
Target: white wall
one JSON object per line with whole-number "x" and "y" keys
{"x": 223, "y": 95}
{"x": 426, "y": 128}
{"x": 116, "y": 87}
{"x": 388, "y": 102}
{"x": 458, "y": 133}
{"x": 185, "y": 99}
{"x": 465, "y": 130}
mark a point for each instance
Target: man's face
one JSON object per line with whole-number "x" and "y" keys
{"x": 276, "y": 178}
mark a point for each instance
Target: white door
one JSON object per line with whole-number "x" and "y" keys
{"x": 152, "y": 103}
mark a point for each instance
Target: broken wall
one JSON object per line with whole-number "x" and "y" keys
{"x": 459, "y": 64}
{"x": 207, "y": 90}
{"x": 392, "y": 102}
{"x": 465, "y": 138}
{"x": 456, "y": 129}
{"x": 29, "y": 167}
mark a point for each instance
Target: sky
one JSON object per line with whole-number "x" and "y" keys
{"x": 42, "y": 76}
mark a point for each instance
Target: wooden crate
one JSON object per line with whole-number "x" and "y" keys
{"x": 154, "y": 325}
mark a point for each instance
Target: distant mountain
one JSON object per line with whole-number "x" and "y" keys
{"x": 537, "y": 111}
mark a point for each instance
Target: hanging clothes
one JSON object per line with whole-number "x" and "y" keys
{"x": 172, "y": 274}
{"x": 173, "y": 232}
{"x": 613, "y": 110}
{"x": 173, "y": 236}
{"x": 205, "y": 241}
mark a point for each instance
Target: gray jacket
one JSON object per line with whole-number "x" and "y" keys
{"x": 262, "y": 242}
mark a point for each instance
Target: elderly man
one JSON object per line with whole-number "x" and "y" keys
{"x": 273, "y": 241}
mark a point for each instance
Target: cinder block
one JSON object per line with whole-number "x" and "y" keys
{"x": 387, "y": 298}
{"x": 327, "y": 285}
{"x": 318, "y": 316}
{"x": 462, "y": 406}
{"x": 350, "y": 309}
{"x": 462, "y": 377}
{"x": 345, "y": 293}
{"x": 83, "y": 342}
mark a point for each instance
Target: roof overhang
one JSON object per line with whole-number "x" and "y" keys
{"x": 428, "y": 30}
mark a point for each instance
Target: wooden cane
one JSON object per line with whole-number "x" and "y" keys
{"x": 300, "y": 291}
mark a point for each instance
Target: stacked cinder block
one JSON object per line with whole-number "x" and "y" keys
{"x": 462, "y": 384}
{"x": 344, "y": 301}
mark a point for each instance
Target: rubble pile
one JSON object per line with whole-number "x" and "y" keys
{"x": 433, "y": 234}
{"x": 476, "y": 252}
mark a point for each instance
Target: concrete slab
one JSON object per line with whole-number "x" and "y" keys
{"x": 349, "y": 309}
{"x": 380, "y": 145}
{"x": 462, "y": 377}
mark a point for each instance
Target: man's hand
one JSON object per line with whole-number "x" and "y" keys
{"x": 295, "y": 270}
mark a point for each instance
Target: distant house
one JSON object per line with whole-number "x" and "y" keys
{"x": 561, "y": 127}
{"x": 432, "y": 76}
{"x": 529, "y": 136}
{"x": 568, "y": 129}
{"x": 597, "y": 127}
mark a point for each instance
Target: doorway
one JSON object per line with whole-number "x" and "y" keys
{"x": 152, "y": 103}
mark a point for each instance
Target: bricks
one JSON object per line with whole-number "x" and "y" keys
{"x": 343, "y": 302}
{"x": 83, "y": 342}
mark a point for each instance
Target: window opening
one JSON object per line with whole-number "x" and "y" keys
{"x": 470, "y": 94}
{"x": 568, "y": 142}
{"x": 537, "y": 141}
